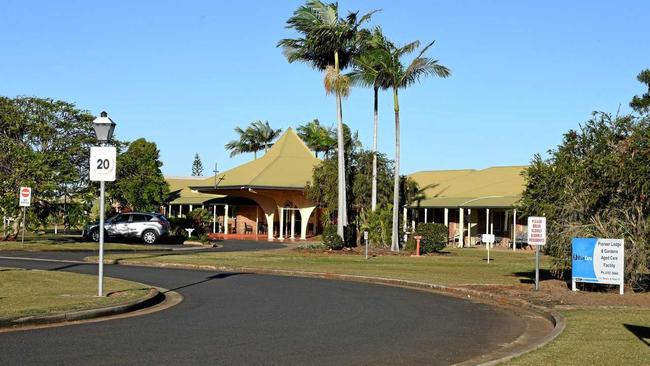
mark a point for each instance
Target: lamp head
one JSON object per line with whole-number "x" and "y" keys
{"x": 104, "y": 127}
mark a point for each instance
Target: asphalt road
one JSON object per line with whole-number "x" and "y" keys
{"x": 248, "y": 319}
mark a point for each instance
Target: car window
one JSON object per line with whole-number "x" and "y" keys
{"x": 121, "y": 218}
{"x": 140, "y": 218}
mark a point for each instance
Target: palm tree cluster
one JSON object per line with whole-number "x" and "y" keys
{"x": 259, "y": 135}
{"x": 331, "y": 43}
{"x": 317, "y": 137}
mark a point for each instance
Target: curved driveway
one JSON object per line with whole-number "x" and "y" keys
{"x": 248, "y": 319}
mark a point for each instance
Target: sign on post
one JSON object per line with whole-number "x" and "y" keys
{"x": 596, "y": 260}
{"x": 488, "y": 239}
{"x": 25, "y": 197}
{"x": 102, "y": 163}
{"x": 536, "y": 230}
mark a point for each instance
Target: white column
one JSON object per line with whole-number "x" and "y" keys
{"x": 269, "y": 225}
{"x": 257, "y": 221}
{"x": 405, "y": 219}
{"x": 487, "y": 220}
{"x": 225, "y": 220}
{"x": 505, "y": 220}
{"x": 191, "y": 209}
{"x": 413, "y": 219}
{"x": 293, "y": 224}
{"x": 425, "y": 215}
{"x": 169, "y": 213}
{"x": 469, "y": 226}
{"x": 305, "y": 213}
{"x": 202, "y": 206}
{"x": 214, "y": 219}
{"x": 281, "y": 209}
{"x": 180, "y": 210}
{"x": 461, "y": 226}
{"x": 446, "y": 217}
{"x": 492, "y": 222}
{"x": 514, "y": 229}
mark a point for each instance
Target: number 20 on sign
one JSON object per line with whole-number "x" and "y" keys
{"x": 102, "y": 163}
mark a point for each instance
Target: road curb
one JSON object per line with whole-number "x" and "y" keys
{"x": 153, "y": 297}
{"x": 501, "y": 355}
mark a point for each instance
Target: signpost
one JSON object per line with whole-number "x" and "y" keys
{"x": 596, "y": 260}
{"x": 536, "y": 237}
{"x": 365, "y": 238}
{"x": 25, "y": 200}
{"x": 488, "y": 239}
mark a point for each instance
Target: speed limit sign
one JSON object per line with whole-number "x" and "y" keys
{"x": 102, "y": 163}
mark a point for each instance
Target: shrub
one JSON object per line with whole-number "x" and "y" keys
{"x": 179, "y": 224}
{"x": 331, "y": 238}
{"x": 434, "y": 237}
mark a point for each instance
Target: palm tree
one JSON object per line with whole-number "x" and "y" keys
{"x": 316, "y": 137}
{"x": 367, "y": 73}
{"x": 257, "y": 136}
{"x": 393, "y": 72}
{"x": 328, "y": 44}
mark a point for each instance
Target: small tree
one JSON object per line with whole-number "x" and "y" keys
{"x": 641, "y": 104}
{"x": 197, "y": 166}
{"x": 434, "y": 237}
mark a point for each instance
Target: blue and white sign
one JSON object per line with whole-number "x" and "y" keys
{"x": 597, "y": 260}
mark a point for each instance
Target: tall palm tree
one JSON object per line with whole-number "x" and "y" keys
{"x": 367, "y": 73}
{"x": 316, "y": 137}
{"x": 257, "y": 136}
{"x": 398, "y": 76}
{"x": 328, "y": 44}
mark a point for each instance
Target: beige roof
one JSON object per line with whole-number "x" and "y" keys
{"x": 180, "y": 192}
{"x": 491, "y": 187}
{"x": 287, "y": 165}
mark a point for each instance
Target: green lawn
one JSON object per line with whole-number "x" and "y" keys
{"x": 33, "y": 292}
{"x": 466, "y": 266}
{"x": 64, "y": 244}
{"x": 597, "y": 337}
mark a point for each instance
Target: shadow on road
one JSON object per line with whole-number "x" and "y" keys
{"x": 641, "y": 332}
{"x": 218, "y": 276}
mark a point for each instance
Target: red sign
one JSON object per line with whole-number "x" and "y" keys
{"x": 25, "y": 197}
{"x": 25, "y": 192}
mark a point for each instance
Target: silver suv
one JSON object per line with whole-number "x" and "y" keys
{"x": 145, "y": 225}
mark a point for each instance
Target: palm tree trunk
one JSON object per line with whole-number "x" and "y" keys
{"x": 373, "y": 200}
{"x": 395, "y": 235}
{"x": 341, "y": 212}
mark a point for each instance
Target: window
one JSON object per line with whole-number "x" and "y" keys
{"x": 140, "y": 218}
{"x": 121, "y": 219}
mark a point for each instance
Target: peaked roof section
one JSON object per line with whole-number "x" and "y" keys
{"x": 288, "y": 164}
{"x": 180, "y": 192}
{"x": 491, "y": 187}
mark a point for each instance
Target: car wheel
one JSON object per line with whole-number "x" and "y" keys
{"x": 94, "y": 235}
{"x": 149, "y": 237}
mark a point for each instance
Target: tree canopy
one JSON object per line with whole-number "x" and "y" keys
{"x": 641, "y": 103}
{"x": 197, "y": 166}
{"x": 317, "y": 137}
{"x": 259, "y": 135}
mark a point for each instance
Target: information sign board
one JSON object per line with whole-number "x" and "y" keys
{"x": 536, "y": 230}
{"x": 25, "y": 197}
{"x": 102, "y": 163}
{"x": 597, "y": 260}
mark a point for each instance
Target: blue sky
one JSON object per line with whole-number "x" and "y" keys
{"x": 184, "y": 73}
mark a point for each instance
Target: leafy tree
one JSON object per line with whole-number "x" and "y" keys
{"x": 641, "y": 104}
{"x": 256, "y": 137}
{"x": 328, "y": 43}
{"x": 45, "y": 145}
{"x": 197, "y": 166}
{"x": 395, "y": 75}
{"x": 140, "y": 184}
{"x": 596, "y": 184}
{"x": 318, "y": 138}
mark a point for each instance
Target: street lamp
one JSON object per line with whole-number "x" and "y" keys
{"x": 104, "y": 127}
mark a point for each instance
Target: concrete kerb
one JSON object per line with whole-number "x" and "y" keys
{"x": 152, "y": 298}
{"x": 516, "y": 348}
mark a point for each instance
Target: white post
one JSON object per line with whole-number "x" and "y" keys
{"x": 214, "y": 219}
{"x": 202, "y": 206}
{"x": 469, "y": 226}
{"x": 487, "y": 220}
{"x": 305, "y": 213}
{"x": 225, "y": 220}
{"x": 514, "y": 230}
{"x": 269, "y": 225}
{"x": 281, "y": 223}
{"x": 505, "y": 220}
{"x": 405, "y": 221}
{"x": 180, "y": 210}
{"x": 413, "y": 219}
{"x": 101, "y": 239}
{"x": 191, "y": 209}
{"x": 257, "y": 221}
{"x": 425, "y": 215}
{"x": 293, "y": 224}
{"x": 461, "y": 226}
{"x": 446, "y": 217}
{"x": 169, "y": 213}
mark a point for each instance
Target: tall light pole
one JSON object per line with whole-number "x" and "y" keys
{"x": 102, "y": 168}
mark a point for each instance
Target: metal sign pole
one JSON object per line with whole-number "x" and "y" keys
{"x": 488, "y": 249}
{"x": 365, "y": 237}
{"x": 536, "y": 267}
{"x": 22, "y": 240}
{"x": 101, "y": 239}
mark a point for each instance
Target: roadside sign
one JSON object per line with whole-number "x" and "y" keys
{"x": 487, "y": 238}
{"x": 597, "y": 260}
{"x": 536, "y": 230}
{"x": 102, "y": 163}
{"x": 25, "y": 197}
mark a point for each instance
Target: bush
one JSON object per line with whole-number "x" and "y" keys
{"x": 331, "y": 239}
{"x": 179, "y": 224}
{"x": 434, "y": 237}
{"x": 200, "y": 220}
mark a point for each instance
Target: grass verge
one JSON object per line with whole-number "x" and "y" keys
{"x": 39, "y": 245}
{"x": 34, "y": 292}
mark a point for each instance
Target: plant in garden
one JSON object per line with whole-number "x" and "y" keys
{"x": 434, "y": 237}
{"x": 331, "y": 238}
{"x": 201, "y": 220}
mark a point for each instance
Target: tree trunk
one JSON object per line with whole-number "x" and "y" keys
{"x": 374, "y": 151}
{"x": 342, "y": 207}
{"x": 395, "y": 235}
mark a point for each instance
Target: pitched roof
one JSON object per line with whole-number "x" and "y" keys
{"x": 180, "y": 192}
{"x": 491, "y": 187}
{"x": 288, "y": 164}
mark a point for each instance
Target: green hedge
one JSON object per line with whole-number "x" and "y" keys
{"x": 434, "y": 237}
{"x": 331, "y": 238}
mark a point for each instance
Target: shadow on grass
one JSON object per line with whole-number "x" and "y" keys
{"x": 528, "y": 277}
{"x": 218, "y": 276}
{"x": 641, "y": 332}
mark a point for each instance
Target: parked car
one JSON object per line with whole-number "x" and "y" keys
{"x": 144, "y": 225}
